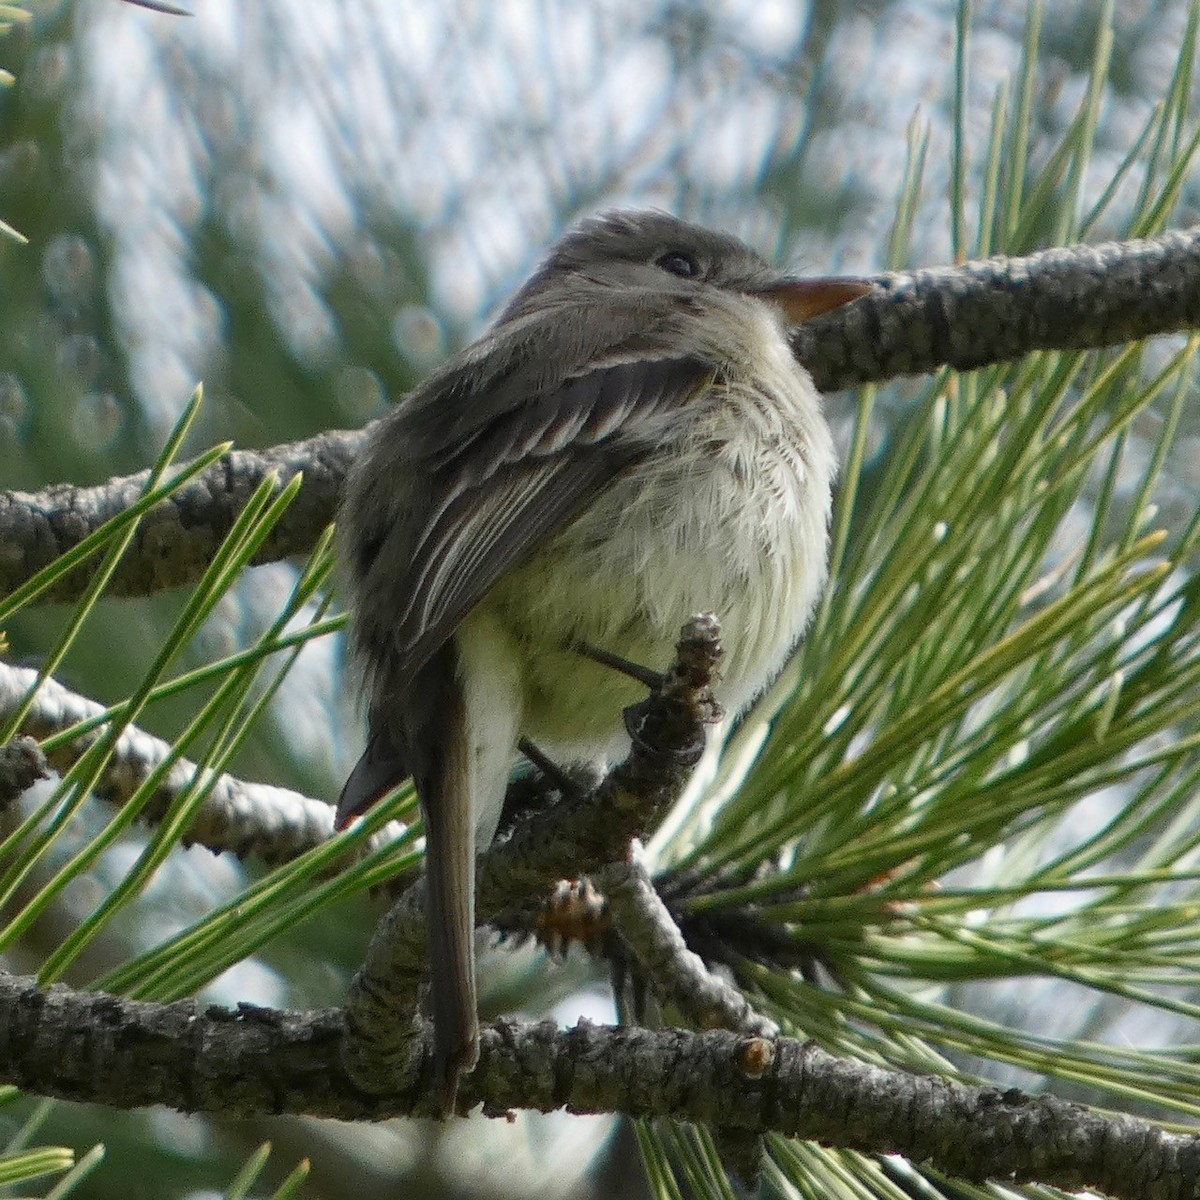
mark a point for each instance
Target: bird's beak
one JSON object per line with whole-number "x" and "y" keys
{"x": 802, "y": 299}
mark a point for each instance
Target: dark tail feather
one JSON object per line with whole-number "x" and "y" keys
{"x": 430, "y": 717}
{"x": 446, "y": 804}
{"x": 378, "y": 771}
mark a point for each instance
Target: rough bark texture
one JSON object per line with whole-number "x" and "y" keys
{"x": 101, "y": 1049}
{"x": 272, "y": 824}
{"x": 175, "y": 541}
{"x": 1076, "y": 298}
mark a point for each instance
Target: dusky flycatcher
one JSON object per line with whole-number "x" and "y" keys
{"x": 631, "y": 443}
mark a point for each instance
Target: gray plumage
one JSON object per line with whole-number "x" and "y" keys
{"x": 631, "y": 443}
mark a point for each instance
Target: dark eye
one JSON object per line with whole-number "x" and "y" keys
{"x": 678, "y": 263}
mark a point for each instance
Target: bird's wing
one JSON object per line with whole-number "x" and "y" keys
{"x": 480, "y": 504}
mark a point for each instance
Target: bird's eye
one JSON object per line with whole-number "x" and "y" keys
{"x": 678, "y": 263}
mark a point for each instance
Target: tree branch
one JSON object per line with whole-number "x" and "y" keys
{"x": 680, "y": 977}
{"x": 1076, "y": 298}
{"x": 175, "y": 541}
{"x": 101, "y": 1049}
{"x": 272, "y": 823}
{"x": 676, "y": 974}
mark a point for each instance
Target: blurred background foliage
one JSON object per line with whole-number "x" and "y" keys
{"x": 306, "y": 207}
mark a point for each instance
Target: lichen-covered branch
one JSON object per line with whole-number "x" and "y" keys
{"x": 271, "y": 823}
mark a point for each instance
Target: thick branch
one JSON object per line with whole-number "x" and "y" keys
{"x": 175, "y": 542}
{"x": 1076, "y": 298}
{"x": 965, "y": 317}
{"x": 125, "y": 1054}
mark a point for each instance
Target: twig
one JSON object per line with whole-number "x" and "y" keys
{"x": 676, "y": 974}
{"x": 681, "y": 978}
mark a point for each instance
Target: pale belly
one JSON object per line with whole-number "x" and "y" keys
{"x": 736, "y": 529}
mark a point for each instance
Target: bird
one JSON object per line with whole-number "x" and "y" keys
{"x": 630, "y": 443}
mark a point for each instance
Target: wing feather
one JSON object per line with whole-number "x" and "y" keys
{"x": 477, "y": 506}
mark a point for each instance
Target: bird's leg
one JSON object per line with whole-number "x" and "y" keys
{"x": 533, "y": 793}
{"x": 644, "y": 675}
{"x": 558, "y": 775}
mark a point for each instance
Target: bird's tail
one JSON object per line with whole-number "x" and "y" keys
{"x": 454, "y": 726}
{"x": 429, "y": 719}
{"x": 450, "y": 908}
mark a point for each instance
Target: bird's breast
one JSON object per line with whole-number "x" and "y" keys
{"x": 729, "y": 517}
